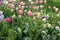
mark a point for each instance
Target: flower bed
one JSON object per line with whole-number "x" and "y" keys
{"x": 29, "y": 20}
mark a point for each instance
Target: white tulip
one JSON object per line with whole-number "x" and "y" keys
{"x": 1, "y": 12}
{"x": 1, "y": 17}
{"x": 44, "y": 19}
{"x": 56, "y": 9}
{"x": 29, "y": 0}
{"x": 57, "y": 27}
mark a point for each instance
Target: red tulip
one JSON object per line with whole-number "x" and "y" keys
{"x": 9, "y": 20}
{"x": 43, "y": 17}
{"x": 26, "y": 5}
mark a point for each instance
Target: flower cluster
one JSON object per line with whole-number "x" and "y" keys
{"x": 29, "y": 20}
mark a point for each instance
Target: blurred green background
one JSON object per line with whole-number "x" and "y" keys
{"x": 54, "y": 3}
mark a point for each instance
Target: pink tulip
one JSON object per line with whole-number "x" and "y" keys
{"x": 41, "y": 1}
{"x": 12, "y": 6}
{"x": 41, "y": 6}
{"x": 11, "y": 0}
{"x": 20, "y": 3}
{"x": 36, "y": 1}
{"x": 9, "y": 20}
{"x": 29, "y": 13}
{"x": 20, "y": 11}
{"x": 54, "y": 7}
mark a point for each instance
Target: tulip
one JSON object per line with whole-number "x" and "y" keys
{"x": 41, "y": 1}
{"x": 19, "y": 16}
{"x": 45, "y": 1}
{"x": 5, "y": 2}
{"x": 12, "y": 0}
{"x": 1, "y": 17}
{"x": 20, "y": 3}
{"x": 26, "y": 5}
{"x": 1, "y": 12}
{"x": 9, "y": 20}
{"x": 36, "y": 1}
{"x": 30, "y": 0}
{"x": 12, "y": 6}
{"x": 49, "y": 7}
{"x": 34, "y": 17}
{"x": 44, "y": 19}
{"x": 41, "y": 6}
{"x": 20, "y": 11}
{"x": 57, "y": 27}
{"x": 29, "y": 13}
{"x": 8, "y": 5}
{"x": 54, "y": 7}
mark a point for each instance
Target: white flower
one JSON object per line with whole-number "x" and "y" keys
{"x": 44, "y": 19}
{"x": 19, "y": 29}
{"x": 23, "y": 7}
{"x": 43, "y": 31}
{"x": 56, "y": 9}
{"x": 5, "y": 2}
{"x": 38, "y": 14}
{"x": 1, "y": 12}
{"x": 57, "y": 27}
{"x": 19, "y": 16}
{"x": 30, "y": 0}
{"x": 25, "y": 10}
{"x": 49, "y": 25}
{"x": 1, "y": 17}
{"x": 16, "y": 8}
{"x": 14, "y": 16}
